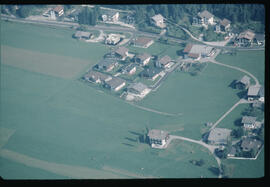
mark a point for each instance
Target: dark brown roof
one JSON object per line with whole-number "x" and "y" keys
{"x": 187, "y": 48}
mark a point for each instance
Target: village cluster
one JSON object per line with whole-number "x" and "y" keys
{"x": 124, "y": 72}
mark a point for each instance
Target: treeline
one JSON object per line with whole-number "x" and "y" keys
{"x": 235, "y": 12}
{"x": 89, "y": 16}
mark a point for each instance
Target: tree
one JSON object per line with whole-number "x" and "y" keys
{"x": 237, "y": 133}
{"x": 24, "y": 11}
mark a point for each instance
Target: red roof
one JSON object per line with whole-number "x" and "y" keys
{"x": 193, "y": 55}
{"x": 188, "y": 48}
{"x": 58, "y": 8}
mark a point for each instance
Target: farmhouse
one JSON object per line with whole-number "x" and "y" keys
{"x": 245, "y": 38}
{"x": 112, "y": 39}
{"x": 248, "y": 144}
{"x": 143, "y": 42}
{"x": 97, "y": 77}
{"x": 115, "y": 84}
{"x": 203, "y": 18}
{"x": 59, "y": 10}
{"x": 223, "y": 26}
{"x": 164, "y": 62}
{"x": 248, "y": 122}
{"x": 138, "y": 89}
{"x": 158, "y": 138}
{"x": 255, "y": 92}
{"x": 106, "y": 64}
{"x": 129, "y": 69}
{"x": 82, "y": 35}
{"x": 158, "y": 21}
{"x": 151, "y": 73}
{"x": 143, "y": 59}
{"x": 243, "y": 83}
{"x": 122, "y": 53}
{"x": 219, "y": 136}
{"x": 197, "y": 51}
{"x": 110, "y": 16}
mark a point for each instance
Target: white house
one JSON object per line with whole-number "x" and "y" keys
{"x": 158, "y": 20}
{"x": 158, "y": 138}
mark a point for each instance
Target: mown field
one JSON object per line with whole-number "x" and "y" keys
{"x": 56, "y": 119}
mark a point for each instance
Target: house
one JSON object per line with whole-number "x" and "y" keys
{"x": 223, "y": 26}
{"x": 219, "y": 136}
{"x": 97, "y": 77}
{"x": 112, "y": 39}
{"x": 245, "y": 38}
{"x": 115, "y": 84}
{"x": 129, "y": 69}
{"x": 106, "y": 64}
{"x": 151, "y": 73}
{"x": 248, "y": 122}
{"x": 158, "y": 138}
{"x": 203, "y": 18}
{"x": 243, "y": 83}
{"x": 59, "y": 10}
{"x": 158, "y": 20}
{"x": 259, "y": 39}
{"x": 255, "y": 93}
{"x": 249, "y": 144}
{"x": 138, "y": 89}
{"x": 196, "y": 51}
{"x": 121, "y": 53}
{"x": 164, "y": 62}
{"x": 82, "y": 35}
{"x": 143, "y": 42}
{"x": 143, "y": 59}
{"x": 110, "y": 16}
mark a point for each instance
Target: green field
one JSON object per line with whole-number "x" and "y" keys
{"x": 54, "y": 119}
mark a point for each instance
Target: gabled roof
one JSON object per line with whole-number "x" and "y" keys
{"x": 115, "y": 82}
{"x": 261, "y": 92}
{"x": 151, "y": 72}
{"x": 219, "y": 135}
{"x": 129, "y": 67}
{"x": 194, "y": 55}
{"x": 157, "y": 134}
{"x": 121, "y": 51}
{"x": 107, "y": 62}
{"x": 82, "y": 34}
{"x": 157, "y": 17}
{"x": 140, "y": 87}
{"x": 96, "y": 75}
{"x": 188, "y": 48}
{"x": 143, "y": 56}
{"x": 248, "y": 144}
{"x": 165, "y": 60}
{"x": 142, "y": 41}
{"x": 248, "y": 34}
{"x": 245, "y": 80}
{"x": 260, "y": 37}
{"x": 253, "y": 90}
{"x": 58, "y": 8}
{"x": 205, "y": 14}
{"x": 225, "y": 22}
{"x": 248, "y": 119}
